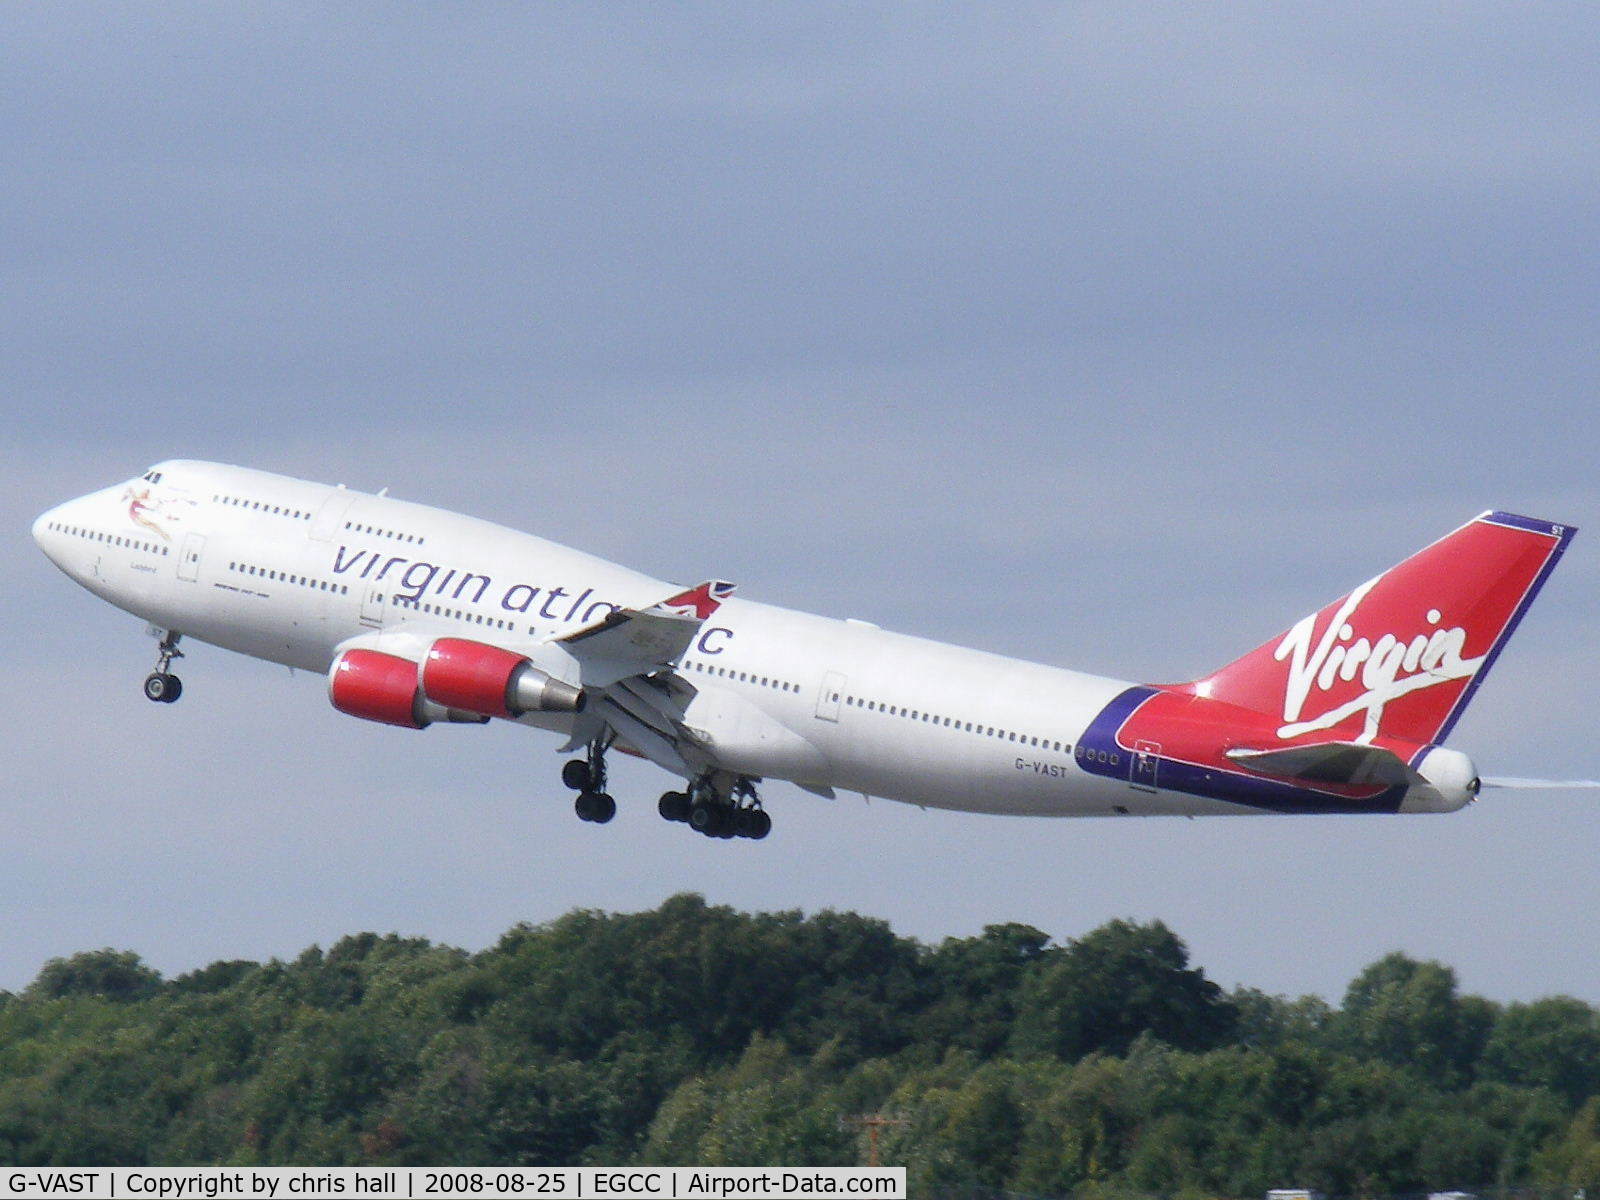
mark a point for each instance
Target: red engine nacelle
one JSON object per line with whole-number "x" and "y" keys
{"x": 378, "y": 687}
{"x": 481, "y": 678}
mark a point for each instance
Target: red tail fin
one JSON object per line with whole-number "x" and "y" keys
{"x": 1402, "y": 654}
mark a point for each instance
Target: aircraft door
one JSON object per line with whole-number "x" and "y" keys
{"x": 372, "y": 607}
{"x": 833, "y": 689}
{"x": 1142, "y": 765}
{"x": 330, "y": 517}
{"x": 189, "y": 557}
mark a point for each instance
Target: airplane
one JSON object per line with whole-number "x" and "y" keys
{"x": 419, "y": 616}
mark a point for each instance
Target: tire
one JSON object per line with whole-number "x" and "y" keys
{"x": 703, "y": 819}
{"x": 754, "y": 824}
{"x": 584, "y": 806}
{"x": 604, "y": 808}
{"x": 575, "y": 774}
{"x": 673, "y": 806}
{"x": 174, "y": 690}
{"x": 156, "y": 687}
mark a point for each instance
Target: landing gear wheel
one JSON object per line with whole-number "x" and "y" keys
{"x": 673, "y": 806}
{"x": 703, "y": 817}
{"x": 588, "y": 774}
{"x": 595, "y": 806}
{"x": 720, "y": 807}
{"x": 161, "y": 687}
{"x": 753, "y": 823}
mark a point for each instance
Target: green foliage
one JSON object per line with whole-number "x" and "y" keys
{"x": 762, "y": 1109}
{"x": 974, "y": 982}
{"x": 1407, "y": 1013}
{"x": 1106, "y": 1067}
{"x": 1552, "y": 1043}
{"x": 114, "y": 974}
{"x": 1573, "y": 1159}
{"x": 1115, "y": 984}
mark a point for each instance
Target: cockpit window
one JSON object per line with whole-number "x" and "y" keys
{"x": 151, "y": 476}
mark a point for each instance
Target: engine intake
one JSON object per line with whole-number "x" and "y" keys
{"x": 383, "y": 687}
{"x": 481, "y": 678}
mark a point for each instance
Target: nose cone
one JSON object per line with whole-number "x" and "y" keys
{"x": 43, "y": 535}
{"x": 50, "y": 535}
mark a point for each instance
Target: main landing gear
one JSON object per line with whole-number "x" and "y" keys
{"x": 717, "y": 804}
{"x": 587, "y": 776}
{"x": 727, "y": 811}
{"x": 161, "y": 685}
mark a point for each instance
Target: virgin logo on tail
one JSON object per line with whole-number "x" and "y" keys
{"x": 1388, "y": 668}
{"x": 1400, "y": 656}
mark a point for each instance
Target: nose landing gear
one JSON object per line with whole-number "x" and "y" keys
{"x": 161, "y": 685}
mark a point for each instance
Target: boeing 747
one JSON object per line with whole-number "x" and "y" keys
{"x": 419, "y": 616}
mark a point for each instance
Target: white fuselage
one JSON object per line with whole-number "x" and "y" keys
{"x": 292, "y": 571}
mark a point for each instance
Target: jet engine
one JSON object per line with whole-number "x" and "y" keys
{"x": 383, "y": 687}
{"x": 481, "y": 678}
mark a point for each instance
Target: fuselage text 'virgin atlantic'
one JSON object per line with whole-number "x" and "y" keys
{"x": 1343, "y": 712}
{"x": 413, "y": 583}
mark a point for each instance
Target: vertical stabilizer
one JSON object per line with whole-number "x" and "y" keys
{"x": 1402, "y": 654}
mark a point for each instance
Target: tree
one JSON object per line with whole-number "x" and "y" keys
{"x": 1115, "y": 983}
{"x": 1552, "y": 1043}
{"x": 1408, "y": 1013}
{"x": 974, "y": 983}
{"x": 113, "y": 974}
{"x": 1573, "y": 1160}
{"x": 1266, "y": 1021}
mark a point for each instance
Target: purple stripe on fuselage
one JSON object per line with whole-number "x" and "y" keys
{"x": 1098, "y": 752}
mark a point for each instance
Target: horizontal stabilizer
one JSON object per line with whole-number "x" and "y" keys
{"x": 1331, "y": 762}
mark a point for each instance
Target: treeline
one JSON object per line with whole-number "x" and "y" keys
{"x": 698, "y": 1034}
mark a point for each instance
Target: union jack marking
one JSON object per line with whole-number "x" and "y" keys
{"x": 699, "y": 602}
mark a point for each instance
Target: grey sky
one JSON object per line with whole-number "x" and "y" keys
{"x": 1115, "y": 336}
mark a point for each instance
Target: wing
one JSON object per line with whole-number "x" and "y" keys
{"x": 627, "y": 663}
{"x": 634, "y": 641}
